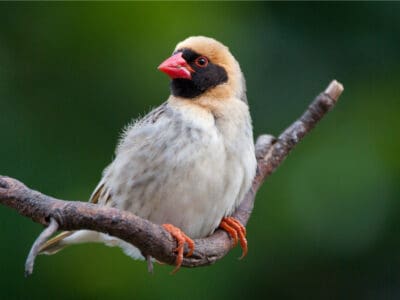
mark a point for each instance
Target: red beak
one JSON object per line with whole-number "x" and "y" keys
{"x": 176, "y": 67}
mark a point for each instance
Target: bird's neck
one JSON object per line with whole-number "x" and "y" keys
{"x": 220, "y": 108}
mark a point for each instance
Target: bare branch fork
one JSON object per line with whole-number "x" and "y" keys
{"x": 151, "y": 238}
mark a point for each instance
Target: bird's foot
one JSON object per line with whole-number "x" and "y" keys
{"x": 237, "y": 232}
{"x": 181, "y": 239}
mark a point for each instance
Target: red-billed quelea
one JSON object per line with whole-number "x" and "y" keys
{"x": 188, "y": 163}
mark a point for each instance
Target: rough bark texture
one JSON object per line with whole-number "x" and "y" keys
{"x": 150, "y": 238}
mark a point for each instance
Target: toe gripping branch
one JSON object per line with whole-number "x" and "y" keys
{"x": 237, "y": 232}
{"x": 181, "y": 239}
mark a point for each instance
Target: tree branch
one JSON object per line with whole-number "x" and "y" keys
{"x": 150, "y": 238}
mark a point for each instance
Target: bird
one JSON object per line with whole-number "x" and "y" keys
{"x": 188, "y": 163}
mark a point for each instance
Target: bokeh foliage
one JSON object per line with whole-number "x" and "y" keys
{"x": 325, "y": 226}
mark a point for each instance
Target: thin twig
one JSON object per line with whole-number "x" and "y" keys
{"x": 42, "y": 238}
{"x": 150, "y": 267}
{"x": 150, "y": 238}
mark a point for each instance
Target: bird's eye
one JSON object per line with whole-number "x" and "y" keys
{"x": 201, "y": 61}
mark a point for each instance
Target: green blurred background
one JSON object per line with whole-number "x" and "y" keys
{"x": 325, "y": 225}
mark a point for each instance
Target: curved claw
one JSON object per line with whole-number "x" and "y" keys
{"x": 181, "y": 239}
{"x": 237, "y": 232}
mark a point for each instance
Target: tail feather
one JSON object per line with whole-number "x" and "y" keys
{"x": 55, "y": 244}
{"x": 67, "y": 238}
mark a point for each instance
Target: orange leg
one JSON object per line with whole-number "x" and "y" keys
{"x": 181, "y": 239}
{"x": 237, "y": 232}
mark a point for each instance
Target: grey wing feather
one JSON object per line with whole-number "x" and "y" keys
{"x": 101, "y": 194}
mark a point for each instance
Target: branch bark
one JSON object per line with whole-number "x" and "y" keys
{"x": 151, "y": 238}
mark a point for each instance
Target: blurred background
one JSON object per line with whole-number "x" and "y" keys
{"x": 326, "y": 225}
